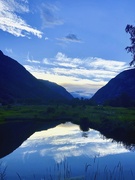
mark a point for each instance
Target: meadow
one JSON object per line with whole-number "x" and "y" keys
{"x": 113, "y": 122}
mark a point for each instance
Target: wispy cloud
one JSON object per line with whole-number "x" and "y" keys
{"x": 86, "y": 75}
{"x": 9, "y": 50}
{"x": 31, "y": 60}
{"x": 12, "y": 23}
{"x": 49, "y": 15}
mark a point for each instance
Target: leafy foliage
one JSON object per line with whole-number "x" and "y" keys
{"x": 131, "y": 30}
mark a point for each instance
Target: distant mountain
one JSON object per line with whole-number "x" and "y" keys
{"x": 122, "y": 86}
{"x": 18, "y": 85}
{"x": 81, "y": 94}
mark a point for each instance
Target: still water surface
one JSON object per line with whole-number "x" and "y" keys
{"x": 64, "y": 152}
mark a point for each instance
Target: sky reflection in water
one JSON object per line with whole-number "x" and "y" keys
{"x": 65, "y": 141}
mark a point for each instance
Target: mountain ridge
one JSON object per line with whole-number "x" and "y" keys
{"x": 18, "y": 85}
{"x": 123, "y": 83}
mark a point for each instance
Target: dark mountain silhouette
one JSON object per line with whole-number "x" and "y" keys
{"x": 18, "y": 85}
{"x": 57, "y": 88}
{"x": 122, "y": 86}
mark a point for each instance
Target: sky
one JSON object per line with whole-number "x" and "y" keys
{"x": 79, "y": 44}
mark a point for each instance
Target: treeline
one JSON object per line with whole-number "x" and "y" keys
{"x": 122, "y": 100}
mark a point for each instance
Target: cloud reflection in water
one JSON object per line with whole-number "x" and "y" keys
{"x": 66, "y": 140}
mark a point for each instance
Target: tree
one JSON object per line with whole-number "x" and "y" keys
{"x": 131, "y": 30}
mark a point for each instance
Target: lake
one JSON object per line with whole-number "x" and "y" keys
{"x": 64, "y": 152}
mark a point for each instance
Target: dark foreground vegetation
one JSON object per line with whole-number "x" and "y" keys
{"x": 92, "y": 170}
{"x": 117, "y": 123}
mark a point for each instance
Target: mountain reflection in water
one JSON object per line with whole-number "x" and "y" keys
{"x": 66, "y": 141}
{"x": 13, "y": 134}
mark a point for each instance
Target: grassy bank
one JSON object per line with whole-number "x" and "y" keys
{"x": 93, "y": 113}
{"x": 117, "y": 123}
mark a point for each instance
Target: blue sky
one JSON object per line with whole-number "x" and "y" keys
{"x": 79, "y": 44}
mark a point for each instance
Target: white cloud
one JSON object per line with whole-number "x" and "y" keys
{"x": 19, "y": 6}
{"x": 12, "y": 23}
{"x": 31, "y": 60}
{"x": 46, "y": 38}
{"x": 107, "y": 65}
{"x": 86, "y": 75}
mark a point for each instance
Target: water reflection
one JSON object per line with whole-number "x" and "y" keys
{"x": 66, "y": 140}
{"x": 45, "y": 148}
{"x": 13, "y": 134}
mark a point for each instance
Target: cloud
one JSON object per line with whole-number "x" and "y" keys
{"x": 49, "y": 15}
{"x": 9, "y": 50}
{"x": 70, "y": 38}
{"x": 46, "y": 38}
{"x": 20, "y": 6}
{"x": 83, "y": 93}
{"x": 12, "y": 23}
{"x": 31, "y": 60}
{"x": 86, "y": 75}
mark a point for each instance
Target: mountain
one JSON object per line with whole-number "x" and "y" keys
{"x": 81, "y": 94}
{"x": 122, "y": 86}
{"x": 18, "y": 85}
{"x": 57, "y": 88}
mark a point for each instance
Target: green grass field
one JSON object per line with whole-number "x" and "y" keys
{"x": 45, "y": 112}
{"x": 112, "y": 122}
